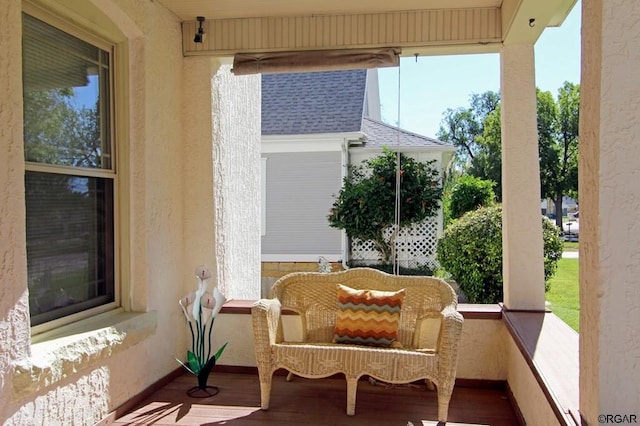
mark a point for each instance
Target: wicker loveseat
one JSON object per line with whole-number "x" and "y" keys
{"x": 312, "y": 295}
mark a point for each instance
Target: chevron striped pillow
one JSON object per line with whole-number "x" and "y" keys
{"x": 367, "y": 317}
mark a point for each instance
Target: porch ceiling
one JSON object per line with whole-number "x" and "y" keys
{"x": 417, "y": 26}
{"x": 228, "y": 9}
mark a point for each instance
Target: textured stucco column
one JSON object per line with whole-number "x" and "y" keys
{"x": 236, "y": 156}
{"x": 523, "y": 267}
{"x": 610, "y": 211}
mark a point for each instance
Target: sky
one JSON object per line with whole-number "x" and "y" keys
{"x": 434, "y": 83}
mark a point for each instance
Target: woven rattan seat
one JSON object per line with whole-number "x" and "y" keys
{"x": 313, "y": 296}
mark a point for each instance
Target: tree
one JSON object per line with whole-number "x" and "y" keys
{"x": 558, "y": 144}
{"x": 487, "y": 165}
{"x": 365, "y": 206}
{"x": 567, "y": 144}
{"x": 463, "y": 126}
{"x": 460, "y": 129}
{"x": 557, "y": 141}
{"x": 547, "y": 147}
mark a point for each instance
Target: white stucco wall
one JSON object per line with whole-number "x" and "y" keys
{"x": 14, "y": 313}
{"x": 197, "y": 169}
{"x": 104, "y": 361}
{"x": 482, "y": 351}
{"x": 532, "y": 402}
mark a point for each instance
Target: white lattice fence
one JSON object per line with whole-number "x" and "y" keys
{"x": 415, "y": 247}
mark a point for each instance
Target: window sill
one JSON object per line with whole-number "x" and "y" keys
{"x": 67, "y": 350}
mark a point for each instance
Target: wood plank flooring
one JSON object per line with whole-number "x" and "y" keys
{"x": 314, "y": 402}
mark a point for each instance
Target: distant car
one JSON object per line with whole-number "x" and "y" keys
{"x": 573, "y": 215}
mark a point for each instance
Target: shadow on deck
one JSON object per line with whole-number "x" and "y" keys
{"x": 314, "y": 402}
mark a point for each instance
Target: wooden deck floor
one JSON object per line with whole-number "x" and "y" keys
{"x": 314, "y": 402}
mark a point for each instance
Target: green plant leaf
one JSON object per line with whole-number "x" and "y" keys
{"x": 219, "y": 353}
{"x": 194, "y": 363}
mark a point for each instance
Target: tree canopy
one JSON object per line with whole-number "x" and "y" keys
{"x": 463, "y": 126}
{"x": 476, "y": 131}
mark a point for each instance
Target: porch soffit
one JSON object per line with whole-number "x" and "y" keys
{"x": 232, "y": 9}
{"x": 427, "y": 27}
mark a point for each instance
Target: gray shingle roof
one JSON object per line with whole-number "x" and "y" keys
{"x": 318, "y": 102}
{"x": 379, "y": 134}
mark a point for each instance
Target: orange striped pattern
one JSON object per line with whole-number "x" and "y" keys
{"x": 368, "y": 317}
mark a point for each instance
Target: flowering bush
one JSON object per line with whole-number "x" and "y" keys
{"x": 200, "y": 308}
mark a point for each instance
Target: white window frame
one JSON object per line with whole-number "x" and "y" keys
{"x": 110, "y": 173}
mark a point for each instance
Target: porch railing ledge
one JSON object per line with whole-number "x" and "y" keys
{"x": 550, "y": 348}
{"x": 468, "y": 310}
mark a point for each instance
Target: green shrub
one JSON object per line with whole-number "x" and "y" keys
{"x": 470, "y": 249}
{"x": 469, "y": 193}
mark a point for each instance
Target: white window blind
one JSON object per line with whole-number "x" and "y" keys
{"x": 70, "y": 174}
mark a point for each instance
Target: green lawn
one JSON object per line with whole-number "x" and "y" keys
{"x": 563, "y": 294}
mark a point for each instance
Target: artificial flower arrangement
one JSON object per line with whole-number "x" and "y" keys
{"x": 201, "y": 307}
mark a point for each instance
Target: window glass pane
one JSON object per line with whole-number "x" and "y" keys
{"x": 70, "y": 247}
{"x": 66, "y": 104}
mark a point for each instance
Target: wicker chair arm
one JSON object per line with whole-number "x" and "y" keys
{"x": 267, "y": 325}
{"x": 450, "y": 332}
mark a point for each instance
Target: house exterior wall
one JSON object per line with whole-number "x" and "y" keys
{"x": 300, "y": 192}
{"x": 609, "y": 210}
{"x": 357, "y": 155}
{"x": 372, "y": 96}
{"x": 14, "y": 311}
{"x": 78, "y": 382}
{"x": 78, "y": 373}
